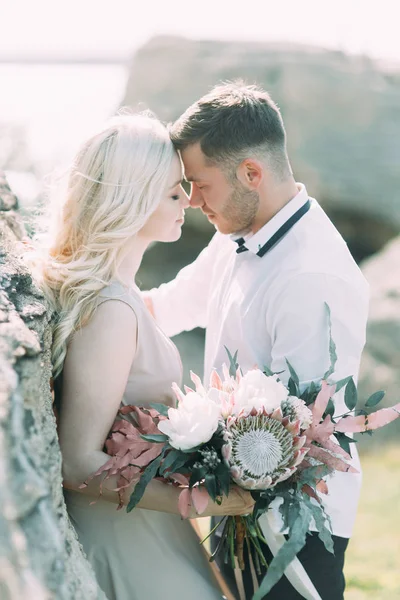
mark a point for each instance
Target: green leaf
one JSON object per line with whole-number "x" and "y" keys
{"x": 293, "y": 373}
{"x": 332, "y": 346}
{"x": 341, "y": 383}
{"x": 211, "y": 485}
{"x": 292, "y": 387}
{"x": 148, "y": 474}
{"x": 267, "y": 371}
{"x": 286, "y": 553}
{"x": 161, "y": 408}
{"x": 169, "y": 460}
{"x": 350, "y": 395}
{"x": 223, "y": 476}
{"x": 233, "y": 365}
{"x": 196, "y": 476}
{"x": 374, "y": 399}
{"x": 290, "y": 510}
{"x": 311, "y": 475}
{"x": 155, "y": 437}
{"x": 344, "y": 441}
{"x": 330, "y": 408}
{"x": 320, "y": 519}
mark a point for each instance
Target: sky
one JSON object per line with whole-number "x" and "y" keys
{"x": 117, "y": 27}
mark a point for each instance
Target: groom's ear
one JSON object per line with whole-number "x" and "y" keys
{"x": 250, "y": 173}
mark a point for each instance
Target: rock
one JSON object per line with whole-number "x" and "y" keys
{"x": 41, "y": 557}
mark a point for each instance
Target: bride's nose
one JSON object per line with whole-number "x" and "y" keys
{"x": 185, "y": 202}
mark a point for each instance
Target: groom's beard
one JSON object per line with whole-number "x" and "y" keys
{"x": 240, "y": 209}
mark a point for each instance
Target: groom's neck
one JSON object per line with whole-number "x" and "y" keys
{"x": 273, "y": 197}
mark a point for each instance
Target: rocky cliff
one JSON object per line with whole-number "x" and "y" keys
{"x": 40, "y": 557}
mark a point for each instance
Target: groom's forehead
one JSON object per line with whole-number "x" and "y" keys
{"x": 194, "y": 162}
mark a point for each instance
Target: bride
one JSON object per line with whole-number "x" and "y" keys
{"x": 123, "y": 193}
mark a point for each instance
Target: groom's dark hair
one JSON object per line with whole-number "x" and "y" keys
{"x": 232, "y": 122}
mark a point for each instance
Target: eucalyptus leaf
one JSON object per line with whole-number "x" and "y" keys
{"x": 342, "y": 383}
{"x": 286, "y": 553}
{"x": 350, "y": 395}
{"x": 374, "y": 399}
{"x": 169, "y": 460}
{"x": 320, "y": 519}
{"x": 155, "y": 437}
{"x": 161, "y": 408}
{"x": 148, "y": 474}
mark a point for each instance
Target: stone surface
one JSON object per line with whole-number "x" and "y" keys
{"x": 40, "y": 556}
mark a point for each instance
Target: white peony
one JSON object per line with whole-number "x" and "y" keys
{"x": 192, "y": 423}
{"x": 258, "y": 391}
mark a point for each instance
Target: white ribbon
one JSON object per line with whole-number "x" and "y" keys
{"x": 271, "y": 525}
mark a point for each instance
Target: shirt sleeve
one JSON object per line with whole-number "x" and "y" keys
{"x": 299, "y": 326}
{"x": 181, "y": 304}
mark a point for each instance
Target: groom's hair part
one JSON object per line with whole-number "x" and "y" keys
{"x": 235, "y": 121}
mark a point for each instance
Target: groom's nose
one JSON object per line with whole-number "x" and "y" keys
{"x": 196, "y": 197}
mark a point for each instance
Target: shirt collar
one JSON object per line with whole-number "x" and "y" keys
{"x": 254, "y": 242}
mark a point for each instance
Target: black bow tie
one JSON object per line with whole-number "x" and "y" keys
{"x": 278, "y": 235}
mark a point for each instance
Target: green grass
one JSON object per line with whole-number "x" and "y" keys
{"x": 373, "y": 558}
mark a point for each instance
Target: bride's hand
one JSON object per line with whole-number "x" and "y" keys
{"x": 239, "y": 502}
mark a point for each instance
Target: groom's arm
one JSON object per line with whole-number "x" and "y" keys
{"x": 181, "y": 304}
{"x": 298, "y": 322}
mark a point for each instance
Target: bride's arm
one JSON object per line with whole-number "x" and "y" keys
{"x": 96, "y": 371}
{"x": 95, "y": 374}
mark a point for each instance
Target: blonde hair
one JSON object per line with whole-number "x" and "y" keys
{"x": 114, "y": 184}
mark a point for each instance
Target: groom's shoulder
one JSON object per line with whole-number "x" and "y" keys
{"x": 318, "y": 249}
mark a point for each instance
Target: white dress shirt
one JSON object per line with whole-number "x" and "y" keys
{"x": 271, "y": 308}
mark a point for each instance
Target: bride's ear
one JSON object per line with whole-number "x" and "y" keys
{"x": 250, "y": 173}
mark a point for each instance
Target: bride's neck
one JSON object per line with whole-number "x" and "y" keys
{"x": 131, "y": 263}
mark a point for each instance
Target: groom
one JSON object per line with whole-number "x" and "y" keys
{"x": 261, "y": 285}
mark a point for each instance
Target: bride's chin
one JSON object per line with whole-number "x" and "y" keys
{"x": 173, "y": 236}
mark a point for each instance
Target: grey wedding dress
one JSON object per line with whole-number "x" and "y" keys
{"x": 143, "y": 555}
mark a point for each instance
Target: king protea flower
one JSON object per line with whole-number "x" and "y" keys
{"x": 262, "y": 449}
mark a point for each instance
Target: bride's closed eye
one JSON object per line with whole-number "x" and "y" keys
{"x": 175, "y": 197}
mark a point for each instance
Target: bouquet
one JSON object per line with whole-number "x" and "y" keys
{"x": 252, "y": 430}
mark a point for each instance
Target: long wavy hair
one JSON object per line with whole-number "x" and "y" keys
{"x": 114, "y": 184}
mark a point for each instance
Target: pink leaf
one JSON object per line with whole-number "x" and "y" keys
{"x": 307, "y": 489}
{"x": 331, "y": 461}
{"x": 200, "y": 498}
{"x": 321, "y": 401}
{"x": 215, "y": 380}
{"x": 184, "y": 503}
{"x": 178, "y": 392}
{"x": 322, "y": 486}
{"x": 179, "y": 478}
{"x": 197, "y": 382}
{"x": 375, "y": 420}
